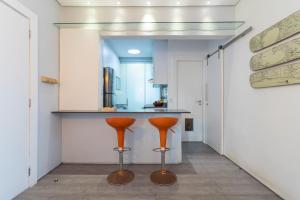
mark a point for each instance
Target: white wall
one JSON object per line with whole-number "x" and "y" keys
{"x": 262, "y": 125}
{"x": 49, "y": 134}
{"x": 79, "y": 69}
{"x": 111, "y": 59}
{"x": 160, "y": 63}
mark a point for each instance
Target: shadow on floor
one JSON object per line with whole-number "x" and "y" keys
{"x": 185, "y": 167}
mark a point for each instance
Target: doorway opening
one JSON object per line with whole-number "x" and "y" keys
{"x": 132, "y": 82}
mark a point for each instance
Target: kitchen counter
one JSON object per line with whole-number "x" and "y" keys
{"x": 87, "y": 138}
{"x": 142, "y": 111}
{"x": 149, "y": 106}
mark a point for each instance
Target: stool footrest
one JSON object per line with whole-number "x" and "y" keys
{"x": 161, "y": 150}
{"x": 122, "y": 150}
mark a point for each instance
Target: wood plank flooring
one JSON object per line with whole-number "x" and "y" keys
{"x": 203, "y": 175}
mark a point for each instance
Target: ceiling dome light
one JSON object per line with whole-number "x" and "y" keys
{"x": 134, "y": 51}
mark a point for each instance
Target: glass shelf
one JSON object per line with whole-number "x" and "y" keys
{"x": 155, "y": 26}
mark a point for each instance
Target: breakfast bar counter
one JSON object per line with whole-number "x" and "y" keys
{"x": 141, "y": 111}
{"x": 87, "y": 138}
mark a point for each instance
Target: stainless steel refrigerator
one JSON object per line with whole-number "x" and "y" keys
{"x": 108, "y": 87}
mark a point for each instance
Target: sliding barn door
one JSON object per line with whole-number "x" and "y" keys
{"x": 14, "y": 98}
{"x": 214, "y": 106}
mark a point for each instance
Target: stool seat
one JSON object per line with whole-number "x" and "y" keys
{"x": 163, "y": 176}
{"x": 120, "y": 124}
{"x": 163, "y": 124}
{"x": 121, "y": 176}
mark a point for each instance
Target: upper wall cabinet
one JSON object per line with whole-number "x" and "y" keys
{"x": 160, "y": 62}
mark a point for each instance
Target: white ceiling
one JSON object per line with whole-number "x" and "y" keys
{"x": 148, "y": 2}
{"x": 121, "y": 47}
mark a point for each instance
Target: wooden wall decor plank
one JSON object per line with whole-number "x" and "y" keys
{"x": 276, "y": 33}
{"x": 281, "y": 54}
{"x": 49, "y": 80}
{"x": 287, "y": 74}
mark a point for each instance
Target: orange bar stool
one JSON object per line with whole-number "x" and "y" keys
{"x": 163, "y": 176}
{"x": 121, "y": 176}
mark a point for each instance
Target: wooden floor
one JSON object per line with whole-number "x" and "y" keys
{"x": 203, "y": 175}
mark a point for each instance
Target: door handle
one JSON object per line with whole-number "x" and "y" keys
{"x": 199, "y": 102}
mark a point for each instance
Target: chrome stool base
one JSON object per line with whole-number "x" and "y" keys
{"x": 120, "y": 177}
{"x": 163, "y": 177}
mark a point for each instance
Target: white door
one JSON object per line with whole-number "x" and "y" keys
{"x": 190, "y": 76}
{"x": 14, "y": 95}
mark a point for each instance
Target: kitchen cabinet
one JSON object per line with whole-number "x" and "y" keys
{"x": 160, "y": 62}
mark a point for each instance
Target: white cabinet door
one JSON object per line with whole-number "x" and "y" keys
{"x": 190, "y": 87}
{"x": 160, "y": 62}
{"x": 14, "y": 99}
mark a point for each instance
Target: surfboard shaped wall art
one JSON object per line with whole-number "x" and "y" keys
{"x": 276, "y": 33}
{"x": 277, "y": 55}
{"x": 287, "y": 74}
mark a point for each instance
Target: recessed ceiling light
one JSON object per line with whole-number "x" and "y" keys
{"x": 178, "y": 2}
{"x": 89, "y": 3}
{"x": 118, "y": 2}
{"x": 148, "y": 3}
{"x": 208, "y": 2}
{"x": 134, "y": 51}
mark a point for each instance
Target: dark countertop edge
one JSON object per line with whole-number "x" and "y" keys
{"x": 120, "y": 112}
